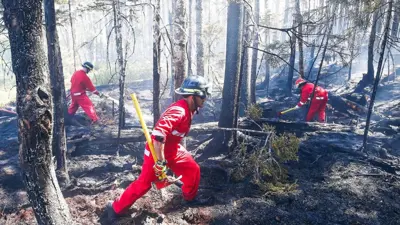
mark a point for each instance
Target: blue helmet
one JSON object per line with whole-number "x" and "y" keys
{"x": 194, "y": 85}
{"x": 88, "y": 65}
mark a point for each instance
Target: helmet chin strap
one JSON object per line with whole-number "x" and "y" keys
{"x": 195, "y": 104}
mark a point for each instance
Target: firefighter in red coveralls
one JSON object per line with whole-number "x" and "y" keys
{"x": 173, "y": 125}
{"x": 80, "y": 83}
{"x": 318, "y": 104}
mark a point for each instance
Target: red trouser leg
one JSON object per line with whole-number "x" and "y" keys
{"x": 88, "y": 107}
{"x": 321, "y": 110}
{"x": 313, "y": 110}
{"x": 184, "y": 165}
{"x": 137, "y": 188}
{"x": 73, "y": 107}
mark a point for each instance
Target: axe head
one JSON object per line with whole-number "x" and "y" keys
{"x": 168, "y": 181}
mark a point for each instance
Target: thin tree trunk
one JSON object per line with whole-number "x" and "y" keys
{"x": 71, "y": 22}
{"x": 292, "y": 61}
{"x": 369, "y": 77}
{"x": 300, "y": 37}
{"x": 199, "y": 35}
{"x": 171, "y": 31}
{"x": 156, "y": 62}
{"x": 353, "y": 38}
{"x": 189, "y": 47}
{"x": 23, "y": 19}
{"x": 121, "y": 65}
{"x": 255, "y": 53}
{"x": 378, "y": 73}
{"x": 329, "y": 31}
{"x": 228, "y": 116}
{"x": 58, "y": 89}
{"x": 179, "y": 50}
{"x": 245, "y": 94}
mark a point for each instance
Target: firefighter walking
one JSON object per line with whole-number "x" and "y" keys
{"x": 173, "y": 125}
{"x": 80, "y": 83}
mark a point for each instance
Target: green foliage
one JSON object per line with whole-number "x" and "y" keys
{"x": 286, "y": 147}
{"x": 264, "y": 165}
{"x": 254, "y": 111}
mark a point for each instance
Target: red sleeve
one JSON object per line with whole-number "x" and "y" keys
{"x": 88, "y": 83}
{"x": 172, "y": 117}
{"x": 305, "y": 94}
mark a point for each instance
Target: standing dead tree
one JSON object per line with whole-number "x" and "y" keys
{"x": 156, "y": 62}
{"x": 179, "y": 43}
{"x": 58, "y": 89}
{"x": 378, "y": 72}
{"x": 23, "y": 20}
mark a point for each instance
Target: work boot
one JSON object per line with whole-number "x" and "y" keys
{"x": 112, "y": 216}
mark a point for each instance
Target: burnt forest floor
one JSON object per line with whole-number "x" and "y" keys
{"x": 334, "y": 184}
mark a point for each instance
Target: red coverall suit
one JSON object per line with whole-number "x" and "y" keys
{"x": 318, "y": 104}
{"x": 80, "y": 82}
{"x": 173, "y": 124}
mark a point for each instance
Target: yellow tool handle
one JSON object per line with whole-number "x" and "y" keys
{"x": 288, "y": 110}
{"x": 146, "y": 132}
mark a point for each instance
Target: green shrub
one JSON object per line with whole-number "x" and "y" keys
{"x": 264, "y": 165}
{"x": 254, "y": 112}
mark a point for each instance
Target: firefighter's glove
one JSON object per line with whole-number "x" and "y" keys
{"x": 160, "y": 169}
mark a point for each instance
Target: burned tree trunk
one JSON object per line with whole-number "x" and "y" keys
{"x": 179, "y": 45}
{"x": 292, "y": 60}
{"x": 299, "y": 19}
{"x": 245, "y": 93}
{"x": 254, "y": 54}
{"x": 156, "y": 62}
{"x": 121, "y": 64}
{"x": 369, "y": 77}
{"x": 228, "y": 117}
{"x": 23, "y": 20}
{"x": 199, "y": 36}
{"x": 378, "y": 73}
{"x": 71, "y": 22}
{"x": 58, "y": 89}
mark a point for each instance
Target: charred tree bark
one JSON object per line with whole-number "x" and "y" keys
{"x": 378, "y": 73}
{"x": 292, "y": 60}
{"x": 299, "y": 19}
{"x": 245, "y": 93}
{"x": 179, "y": 45}
{"x": 156, "y": 62}
{"x": 199, "y": 36}
{"x": 58, "y": 88}
{"x": 228, "y": 117}
{"x": 23, "y": 19}
{"x": 189, "y": 47}
{"x": 369, "y": 77}
{"x": 255, "y": 53}
{"x": 71, "y": 22}
{"x": 121, "y": 64}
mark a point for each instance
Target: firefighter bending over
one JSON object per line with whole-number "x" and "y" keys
{"x": 318, "y": 103}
